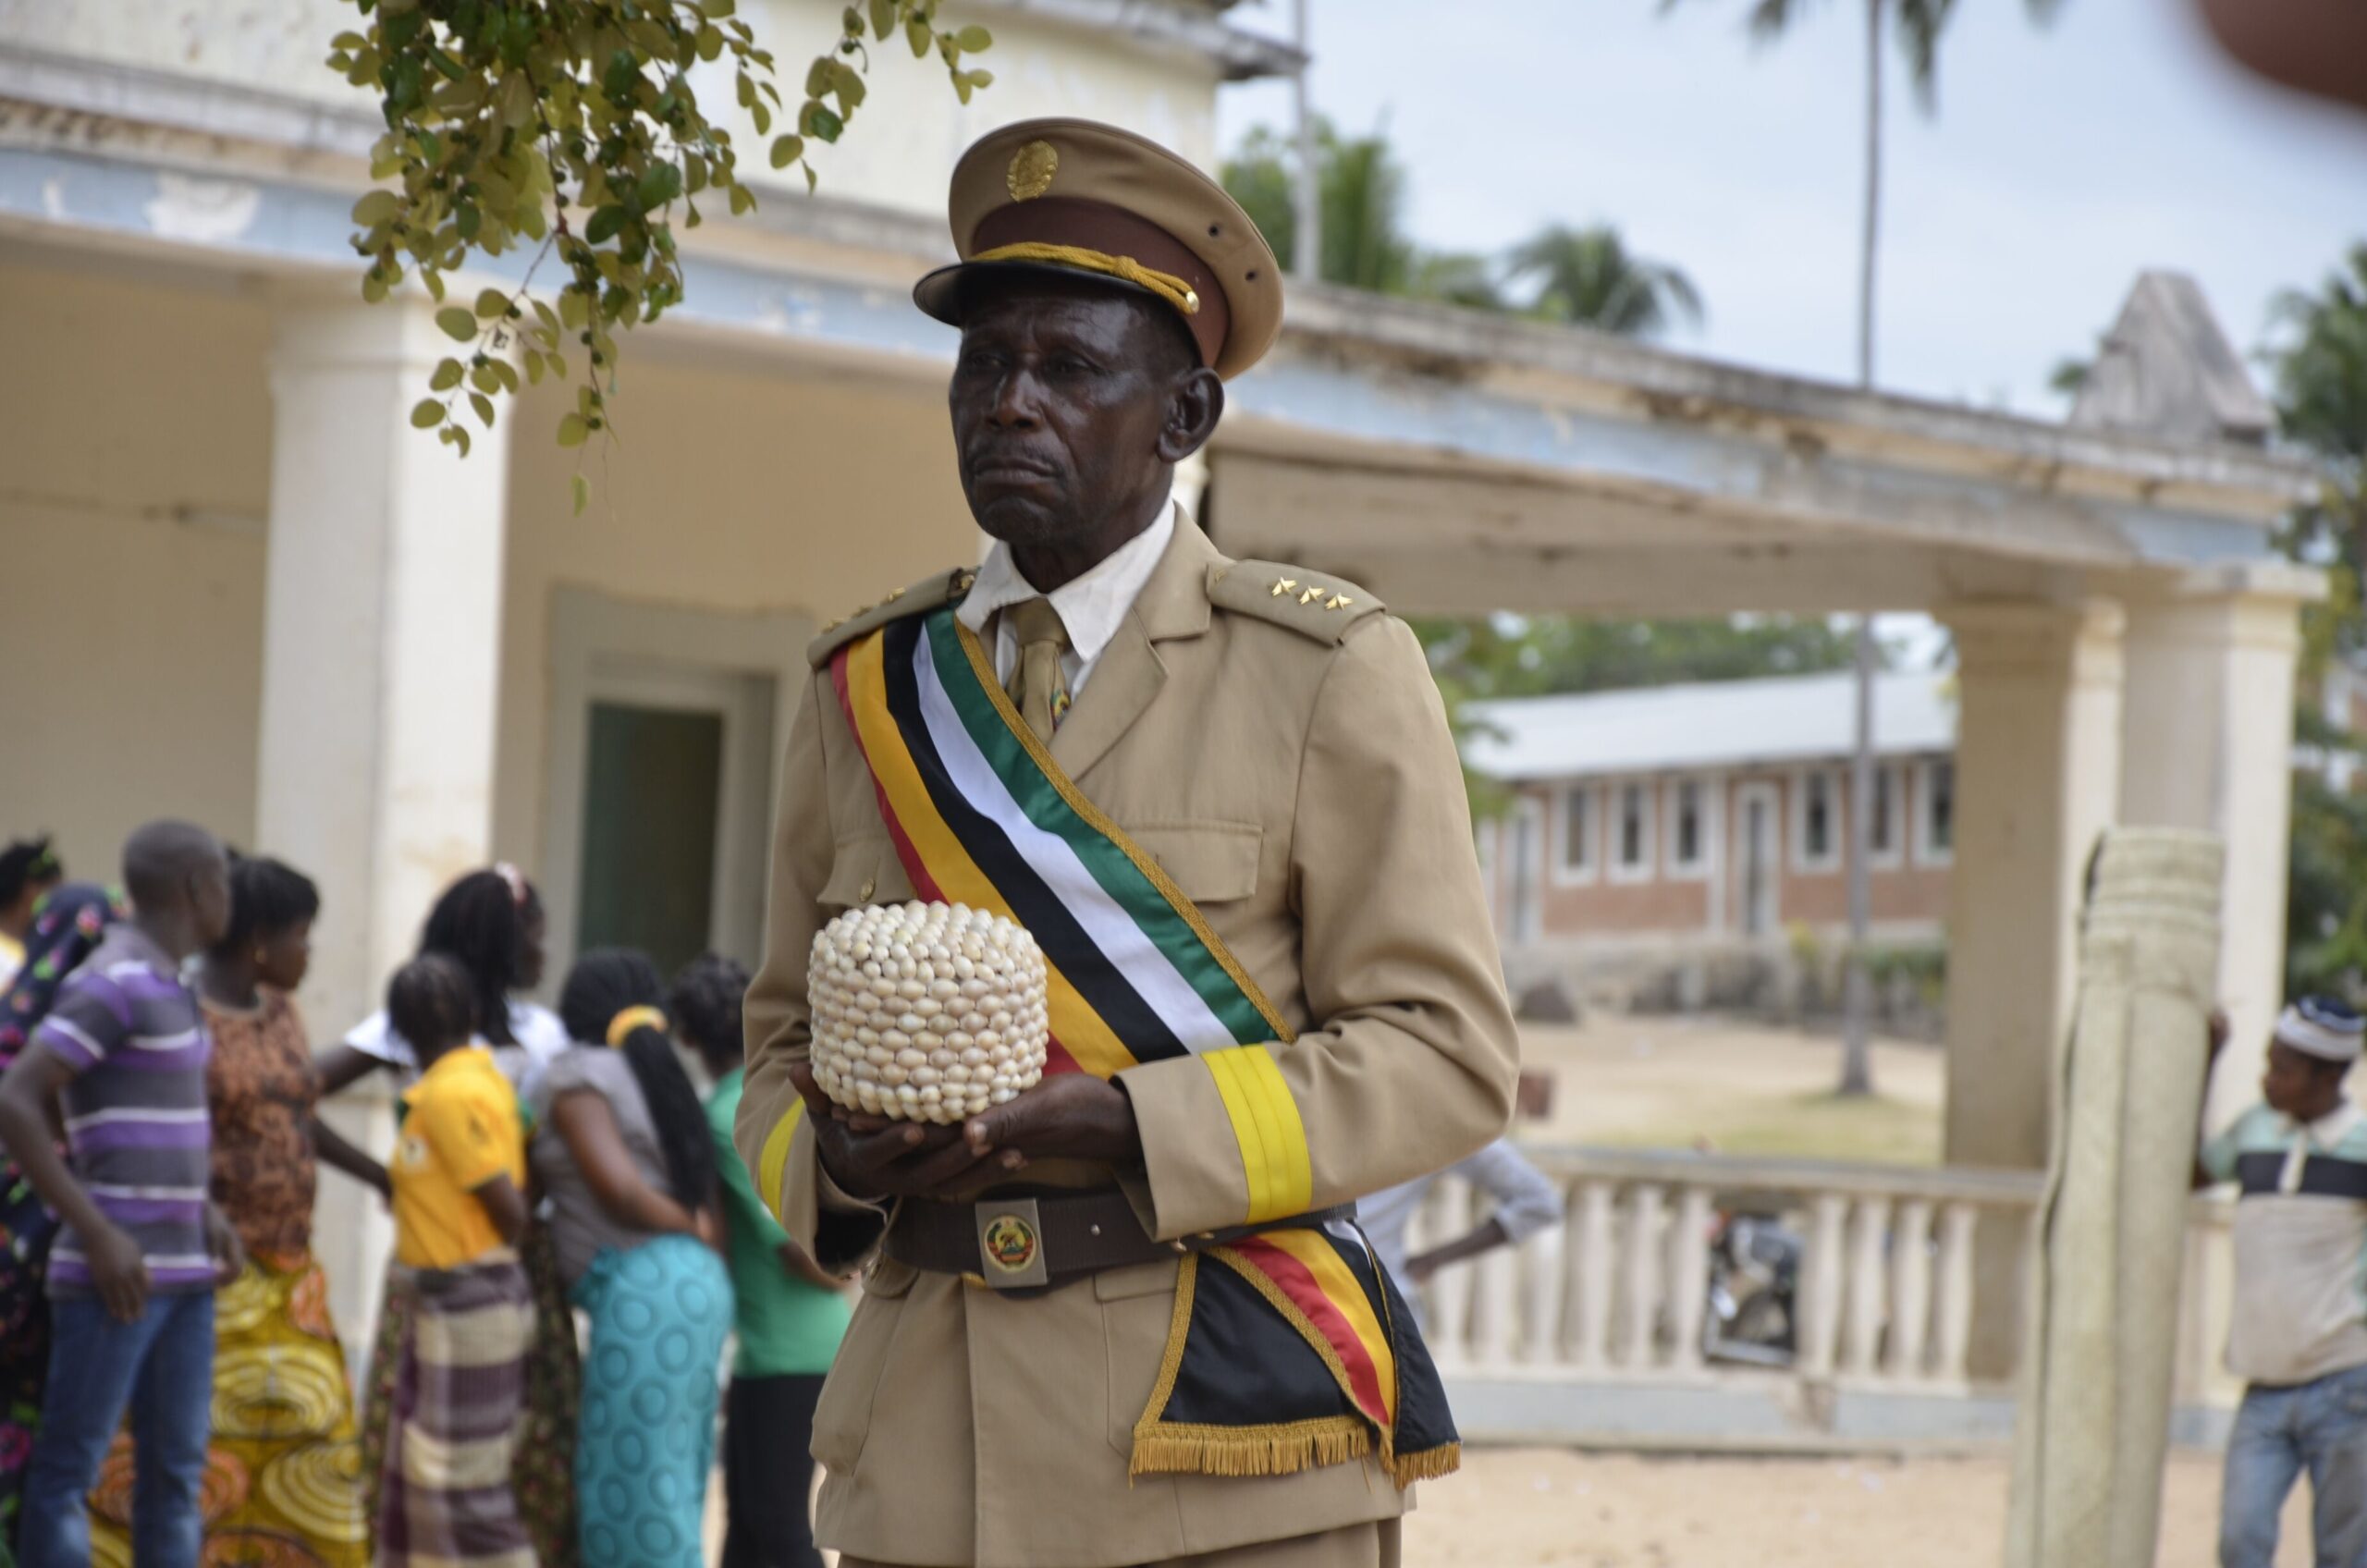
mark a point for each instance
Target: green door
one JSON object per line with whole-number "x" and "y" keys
{"x": 652, "y": 792}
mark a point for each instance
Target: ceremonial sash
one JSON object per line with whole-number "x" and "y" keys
{"x": 1290, "y": 1348}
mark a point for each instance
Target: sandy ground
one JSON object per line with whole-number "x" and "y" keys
{"x": 1544, "y": 1508}
{"x": 1749, "y": 1090}
{"x": 1746, "y": 1089}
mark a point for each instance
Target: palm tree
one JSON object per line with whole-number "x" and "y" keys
{"x": 1920, "y": 24}
{"x": 1361, "y": 189}
{"x": 1590, "y": 277}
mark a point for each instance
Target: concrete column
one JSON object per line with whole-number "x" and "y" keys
{"x": 380, "y": 663}
{"x": 2038, "y": 778}
{"x": 2207, "y": 740}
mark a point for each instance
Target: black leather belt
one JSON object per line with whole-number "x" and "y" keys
{"x": 1013, "y": 1241}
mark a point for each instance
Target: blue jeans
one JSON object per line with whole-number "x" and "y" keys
{"x": 162, "y": 1367}
{"x": 2320, "y": 1426}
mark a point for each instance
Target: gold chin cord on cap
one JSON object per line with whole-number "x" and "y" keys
{"x": 621, "y": 1027}
{"x": 1166, "y": 285}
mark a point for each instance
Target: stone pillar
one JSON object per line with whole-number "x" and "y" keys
{"x": 382, "y": 635}
{"x": 2207, "y": 740}
{"x": 2037, "y": 779}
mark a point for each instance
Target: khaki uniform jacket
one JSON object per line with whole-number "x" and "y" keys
{"x": 1288, "y": 761}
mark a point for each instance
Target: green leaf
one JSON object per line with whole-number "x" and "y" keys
{"x": 786, "y": 150}
{"x": 982, "y": 79}
{"x": 378, "y": 207}
{"x": 448, "y": 376}
{"x": 459, "y": 324}
{"x": 718, "y": 8}
{"x": 349, "y": 41}
{"x": 426, "y": 413}
{"x": 374, "y": 289}
{"x": 812, "y": 179}
{"x": 917, "y": 34}
{"x": 604, "y": 225}
{"x": 460, "y": 434}
{"x": 708, "y": 42}
{"x": 849, "y": 85}
{"x": 483, "y": 379}
{"x": 534, "y": 367}
{"x": 819, "y": 76}
{"x": 583, "y": 488}
{"x": 763, "y": 116}
{"x": 467, "y": 220}
{"x": 573, "y": 431}
{"x": 492, "y": 303}
{"x": 883, "y": 17}
{"x": 822, "y": 125}
{"x": 659, "y": 186}
{"x": 484, "y": 406}
{"x": 741, "y": 202}
{"x": 975, "y": 40}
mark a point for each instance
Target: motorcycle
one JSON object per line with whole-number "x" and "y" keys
{"x": 1754, "y": 1291}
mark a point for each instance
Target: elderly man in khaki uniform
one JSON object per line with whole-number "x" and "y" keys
{"x": 1125, "y": 1318}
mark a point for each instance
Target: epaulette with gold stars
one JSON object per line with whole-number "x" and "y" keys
{"x": 927, "y": 595}
{"x": 1308, "y": 602}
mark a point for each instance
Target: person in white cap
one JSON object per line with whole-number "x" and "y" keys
{"x": 2298, "y": 1335}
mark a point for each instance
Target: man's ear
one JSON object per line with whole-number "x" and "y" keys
{"x": 1193, "y": 407}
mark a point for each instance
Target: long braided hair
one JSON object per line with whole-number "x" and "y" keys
{"x": 607, "y": 983}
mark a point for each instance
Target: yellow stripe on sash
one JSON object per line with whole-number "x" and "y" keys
{"x": 772, "y": 1164}
{"x": 1079, "y": 1029}
{"x": 1267, "y": 1126}
{"x": 1347, "y": 1298}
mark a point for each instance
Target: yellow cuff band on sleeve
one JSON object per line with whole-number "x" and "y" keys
{"x": 773, "y": 1164}
{"x": 1266, "y": 1124}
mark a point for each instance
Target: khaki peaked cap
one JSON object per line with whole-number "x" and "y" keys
{"x": 1084, "y": 199}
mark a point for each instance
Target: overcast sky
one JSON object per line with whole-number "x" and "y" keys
{"x": 2060, "y": 160}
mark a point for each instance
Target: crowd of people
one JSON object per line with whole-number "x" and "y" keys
{"x": 576, "y": 1242}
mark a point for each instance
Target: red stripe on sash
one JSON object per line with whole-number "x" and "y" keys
{"x": 1292, "y": 1279}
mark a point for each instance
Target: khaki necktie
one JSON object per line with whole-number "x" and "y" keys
{"x": 1036, "y": 686}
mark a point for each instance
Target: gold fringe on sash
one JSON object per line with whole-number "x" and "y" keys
{"x": 1280, "y": 1449}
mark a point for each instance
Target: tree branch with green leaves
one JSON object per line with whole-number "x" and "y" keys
{"x": 571, "y": 129}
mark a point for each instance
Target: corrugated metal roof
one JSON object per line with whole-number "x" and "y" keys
{"x": 1717, "y": 724}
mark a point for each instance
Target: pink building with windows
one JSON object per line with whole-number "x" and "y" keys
{"x": 1699, "y": 821}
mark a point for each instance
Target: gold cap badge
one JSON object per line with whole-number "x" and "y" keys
{"x": 1032, "y": 169}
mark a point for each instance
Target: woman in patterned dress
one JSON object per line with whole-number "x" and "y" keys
{"x": 283, "y": 1464}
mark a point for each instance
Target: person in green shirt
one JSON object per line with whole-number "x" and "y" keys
{"x": 791, "y": 1314}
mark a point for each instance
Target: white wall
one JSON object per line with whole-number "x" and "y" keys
{"x": 131, "y": 640}
{"x": 898, "y": 151}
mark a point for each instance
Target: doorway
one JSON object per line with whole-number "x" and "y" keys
{"x": 667, "y": 793}
{"x": 1758, "y": 821}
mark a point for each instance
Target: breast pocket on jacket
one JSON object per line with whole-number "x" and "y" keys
{"x": 1211, "y": 863}
{"x": 865, "y": 871}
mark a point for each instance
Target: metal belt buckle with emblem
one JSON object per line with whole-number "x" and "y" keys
{"x": 1010, "y": 1243}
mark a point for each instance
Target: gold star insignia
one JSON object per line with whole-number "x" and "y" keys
{"x": 1283, "y": 585}
{"x": 1338, "y": 602}
{"x": 1310, "y": 595}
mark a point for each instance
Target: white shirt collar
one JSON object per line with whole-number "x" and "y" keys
{"x": 1092, "y": 607}
{"x": 2330, "y": 1129}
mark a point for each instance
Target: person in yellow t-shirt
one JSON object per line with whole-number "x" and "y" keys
{"x": 458, "y": 1175}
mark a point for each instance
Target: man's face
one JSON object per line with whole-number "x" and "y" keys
{"x": 2297, "y": 1083}
{"x": 1058, "y": 400}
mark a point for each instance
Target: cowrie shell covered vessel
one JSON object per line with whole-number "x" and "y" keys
{"x": 926, "y": 1012}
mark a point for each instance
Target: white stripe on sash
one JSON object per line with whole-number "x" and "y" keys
{"x": 1153, "y": 976}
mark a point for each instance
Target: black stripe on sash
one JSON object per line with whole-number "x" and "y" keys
{"x": 2323, "y": 1176}
{"x": 1104, "y": 986}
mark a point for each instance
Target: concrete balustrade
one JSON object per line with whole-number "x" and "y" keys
{"x": 1593, "y": 1332}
